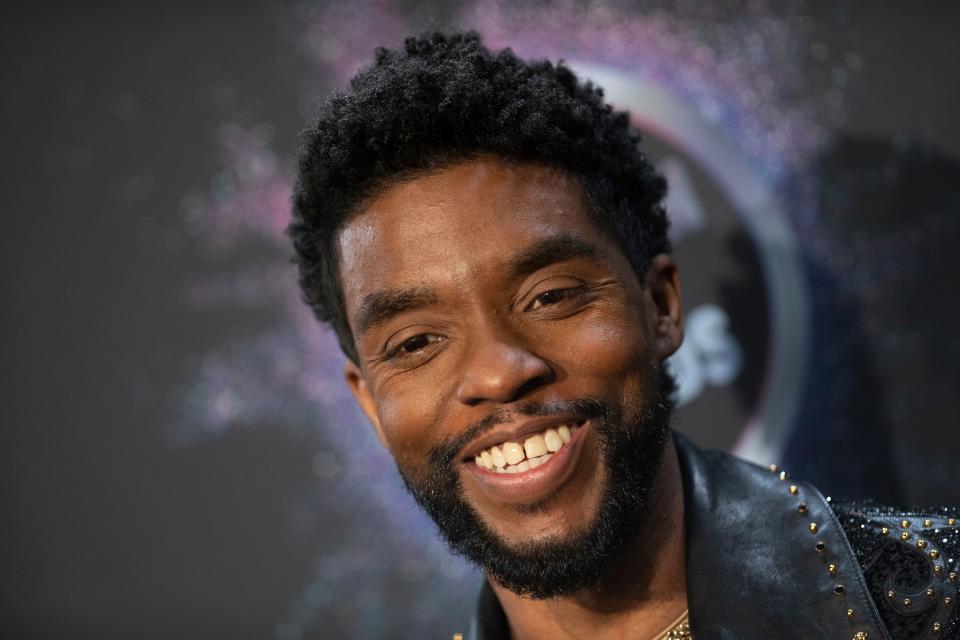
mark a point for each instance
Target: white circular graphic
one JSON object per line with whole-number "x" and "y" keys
{"x": 712, "y": 355}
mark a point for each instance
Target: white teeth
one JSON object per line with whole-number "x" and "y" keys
{"x": 497, "y": 457}
{"x": 553, "y": 440}
{"x": 511, "y": 457}
{"x": 513, "y": 452}
{"x": 534, "y": 447}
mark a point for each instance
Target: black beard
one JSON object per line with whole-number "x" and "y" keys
{"x": 631, "y": 450}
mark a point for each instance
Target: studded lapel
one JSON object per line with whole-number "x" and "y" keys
{"x": 766, "y": 557}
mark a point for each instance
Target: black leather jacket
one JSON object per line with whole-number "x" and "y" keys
{"x": 769, "y": 558}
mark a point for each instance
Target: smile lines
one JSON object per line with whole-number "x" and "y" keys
{"x": 511, "y": 457}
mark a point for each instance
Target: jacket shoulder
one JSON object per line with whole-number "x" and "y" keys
{"x": 909, "y": 558}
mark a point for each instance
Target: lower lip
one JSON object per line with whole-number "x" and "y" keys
{"x": 535, "y": 484}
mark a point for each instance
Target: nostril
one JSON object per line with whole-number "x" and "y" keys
{"x": 501, "y": 371}
{"x": 531, "y": 385}
{"x": 508, "y": 392}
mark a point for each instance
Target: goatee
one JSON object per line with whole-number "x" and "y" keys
{"x": 631, "y": 451}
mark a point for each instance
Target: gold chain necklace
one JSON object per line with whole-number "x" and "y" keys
{"x": 679, "y": 630}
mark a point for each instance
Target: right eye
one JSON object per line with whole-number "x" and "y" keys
{"x": 414, "y": 349}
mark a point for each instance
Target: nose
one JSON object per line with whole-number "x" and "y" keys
{"x": 500, "y": 369}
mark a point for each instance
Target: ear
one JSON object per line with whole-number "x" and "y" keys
{"x": 361, "y": 393}
{"x": 665, "y": 316}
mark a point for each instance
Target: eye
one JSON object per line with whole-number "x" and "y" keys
{"x": 555, "y": 296}
{"x": 414, "y": 347}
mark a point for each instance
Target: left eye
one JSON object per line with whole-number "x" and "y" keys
{"x": 553, "y": 296}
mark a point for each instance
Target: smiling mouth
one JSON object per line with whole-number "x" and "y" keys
{"x": 513, "y": 457}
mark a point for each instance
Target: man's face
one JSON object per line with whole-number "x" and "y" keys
{"x": 489, "y": 310}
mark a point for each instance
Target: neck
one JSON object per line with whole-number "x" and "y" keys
{"x": 641, "y": 595}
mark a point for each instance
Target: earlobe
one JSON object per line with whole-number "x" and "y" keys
{"x": 361, "y": 393}
{"x": 663, "y": 283}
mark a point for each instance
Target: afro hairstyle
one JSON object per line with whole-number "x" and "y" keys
{"x": 446, "y": 98}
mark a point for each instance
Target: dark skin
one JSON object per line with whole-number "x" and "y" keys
{"x": 460, "y": 306}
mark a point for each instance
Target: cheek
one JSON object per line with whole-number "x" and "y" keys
{"x": 610, "y": 346}
{"x": 407, "y": 418}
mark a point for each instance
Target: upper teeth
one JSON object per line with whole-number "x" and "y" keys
{"x": 511, "y": 457}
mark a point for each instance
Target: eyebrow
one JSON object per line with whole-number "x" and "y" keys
{"x": 382, "y": 306}
{"x": 550, "y": 250}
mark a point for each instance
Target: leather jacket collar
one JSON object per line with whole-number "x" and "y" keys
{"x": 760, "y": 565}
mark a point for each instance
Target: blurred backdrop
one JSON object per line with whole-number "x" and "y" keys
{"x": 178, "y": 455}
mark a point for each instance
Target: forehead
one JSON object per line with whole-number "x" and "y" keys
{"x": 460, "y": 222}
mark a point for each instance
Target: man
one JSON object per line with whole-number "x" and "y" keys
{"x": 490, "y": 246}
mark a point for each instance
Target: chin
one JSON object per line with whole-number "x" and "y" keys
{"x": 568, "y": 540}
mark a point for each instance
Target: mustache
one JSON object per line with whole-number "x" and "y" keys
{"x": 444, "y": 454}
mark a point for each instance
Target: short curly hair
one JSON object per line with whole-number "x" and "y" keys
{"x": 443, "y": 99}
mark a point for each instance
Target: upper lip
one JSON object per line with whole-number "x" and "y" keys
{"x": 517, "y": 431}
